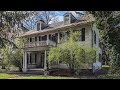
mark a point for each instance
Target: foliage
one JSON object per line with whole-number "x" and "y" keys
{"x": 17, "y": 54}
{"x": 9, "y": 22}
{"x": 12, "y": 56}
{"x": 108, "y": 23}
{"x": 72, "y": 53}
{"x": 6, "y": 54}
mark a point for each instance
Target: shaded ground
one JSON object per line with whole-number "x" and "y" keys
{"x": 56, "y": 74}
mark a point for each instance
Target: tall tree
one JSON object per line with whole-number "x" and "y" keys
{"x": 47, "y": 16}
{"x": 109, "y": 24}
{"x": 9, "y": 20}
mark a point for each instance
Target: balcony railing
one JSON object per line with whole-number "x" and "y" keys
{"x": 40, "y": 43}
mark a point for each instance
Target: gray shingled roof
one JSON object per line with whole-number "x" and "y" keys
{"x": 54, "y": 26}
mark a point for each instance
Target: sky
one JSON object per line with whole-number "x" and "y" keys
{"x": 61, "y": 13}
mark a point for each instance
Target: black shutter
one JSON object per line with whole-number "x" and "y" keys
{"x": 94, "y": 37}
{"x": 83, "y": 34}
{"x": 27, "y": 58}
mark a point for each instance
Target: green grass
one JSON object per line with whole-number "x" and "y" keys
{"x": 16, "y": 76}
{"x": 5, "y": 76}
{"x": 109, "y": 76}
{"x": 42, "y": 77}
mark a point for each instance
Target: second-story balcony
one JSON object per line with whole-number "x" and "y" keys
{"x": 40, "y": 43}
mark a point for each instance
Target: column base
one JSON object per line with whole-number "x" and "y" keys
{"x": 24, "y": 70}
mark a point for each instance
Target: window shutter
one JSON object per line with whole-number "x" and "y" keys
{"x": 94, "y": 37}
{"x": 83, "y": 34}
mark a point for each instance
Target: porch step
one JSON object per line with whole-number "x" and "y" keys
{"x": 35, "y": 71}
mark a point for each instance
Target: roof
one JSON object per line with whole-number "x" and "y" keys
{"x": 59, "y": 25}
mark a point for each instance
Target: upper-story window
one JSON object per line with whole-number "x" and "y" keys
{"x": 30, "y": 39}
{"x": 35, "y": 39}
{"x": 83, "y": 34}
{"x": 66, "y": 19}
{"x": 38, "y": 26}
{"x": 94, "y": 37}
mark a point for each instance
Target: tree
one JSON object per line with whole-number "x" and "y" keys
{"x": 9, "y": 20}
{"x": 6, "y": 54}
{"x": 17, "y": 54}
{"x": 72, "y": 53}
{"x": 47, "y": 16}
{"x": 108, "y": 23}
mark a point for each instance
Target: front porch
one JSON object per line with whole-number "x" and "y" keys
{"x": 34, "y": 60}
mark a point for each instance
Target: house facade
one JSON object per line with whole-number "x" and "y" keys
{"x": 39, "y": 40}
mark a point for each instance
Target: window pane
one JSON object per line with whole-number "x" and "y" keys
{"x": 38, "y": 26}
{"x": 30, "y": 39}
{"x": 35, "y": 38}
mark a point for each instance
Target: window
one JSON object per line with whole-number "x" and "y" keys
{"x": 83, "y": 34}
{"x": 30, "y": 39}
{"x": 38, "y": 26}
{"x": 66, "y": 19}
{"x": 39, "y": 38}
{"x": 94, "y": 37}
{"x": 35, "y": 38}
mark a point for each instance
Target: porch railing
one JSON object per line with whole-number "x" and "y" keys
{"x": 40, "y": 43}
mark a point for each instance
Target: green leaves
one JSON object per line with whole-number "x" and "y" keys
{"x": 109, "y": 24}
{"x": 72, "y": 53}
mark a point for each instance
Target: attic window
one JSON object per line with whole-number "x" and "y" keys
{"x": 66, "y": 19}
{"x": 38, "y": 26}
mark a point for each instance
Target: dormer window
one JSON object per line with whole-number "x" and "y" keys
{"x": 69, "y": 18}
{"x": 38, "y": 26}
{"x": 66, "y": 19}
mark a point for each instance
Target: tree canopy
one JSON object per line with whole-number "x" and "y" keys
{"x": 109, "y": 24}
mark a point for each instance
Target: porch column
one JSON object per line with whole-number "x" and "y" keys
{"x": 25, "y": 61}
{"x": 58, "y": 37}
{"x": 47, "y": 39}
{"x": 45, "y": 63}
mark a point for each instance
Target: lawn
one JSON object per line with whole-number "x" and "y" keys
{"x": 22, "y": 76}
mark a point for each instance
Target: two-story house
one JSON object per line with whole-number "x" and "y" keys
{"x": 44, "y": 36}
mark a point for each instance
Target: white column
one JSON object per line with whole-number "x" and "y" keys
{"x": 25, "y": 62}
{"x": 47, "y": 39}
{"x": 45, "y": 65}
{"x": 58, "y": 37}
